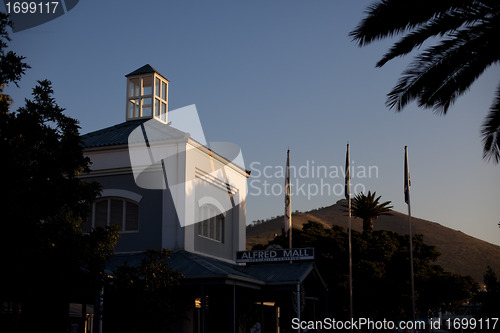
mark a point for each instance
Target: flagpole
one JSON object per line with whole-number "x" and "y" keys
{"x": 288, "y": 201}
{"x": 350, "y": 261}
{"x": 348, "y": 197}
{"x": 411, "y": 267}
{"x": 407, "y": 199}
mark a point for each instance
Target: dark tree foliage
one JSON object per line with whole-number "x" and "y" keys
{"x": 461, "y": 39}
{"x": 47, "y": 260}
{"x": 12, "y": 66}
{"x": 146, "y": 298}
{"x": 381, "y": 273}
{"x": 490, "y": 297}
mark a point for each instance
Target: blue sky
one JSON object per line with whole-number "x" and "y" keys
{"x": 273, "y": 75}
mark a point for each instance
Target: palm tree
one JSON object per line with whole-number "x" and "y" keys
{"x": 367, "y": 207}
{"x": 467, "y": 32}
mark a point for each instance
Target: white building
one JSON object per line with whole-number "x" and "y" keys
{"x": 192, "y": 202}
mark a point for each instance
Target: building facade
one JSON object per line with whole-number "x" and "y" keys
{"x": 166, "y": 189}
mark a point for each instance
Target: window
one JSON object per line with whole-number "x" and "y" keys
{"x": 212, "y": 224}
{"x": 123, "y": 212}
{"x": 134, "y": 88}
{"x": 157, "y": 108}
{"x": 157, "y": 87}
{"x": 163, "y": 112}
{"x": 164, "y": 91}
{"x": 133, "y": 108}
{"x": 147, "y": 85}
{"x": 147, "y": 106}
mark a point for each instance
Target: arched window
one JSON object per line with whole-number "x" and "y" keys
{"x": 120, "y": 211}
{"x": 212, "y": 223}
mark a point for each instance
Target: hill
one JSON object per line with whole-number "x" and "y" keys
{"x": 460, "y": 253}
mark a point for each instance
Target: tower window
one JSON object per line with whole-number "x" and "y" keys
{"x": 164, "y": 91}
{"x": 134, "y": 108}
{"x": 147, "y": 85}
{"x": 163, "y": 111}
{"x": 157, "y": 87}
{"x": 157, "y": 108}
{"x": 147, "y": 106}
{"x": 134, "y": 88}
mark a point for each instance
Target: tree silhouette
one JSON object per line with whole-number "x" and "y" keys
{"x": 145, "y": 298}
{"x": 489, "y": 297}
{"x": 467, "y": 32}
{"x": 47, "y": 260}
{"x": 368, "y": 208}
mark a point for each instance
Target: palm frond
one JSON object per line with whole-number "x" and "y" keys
{"x": 467, "y": 44}
{"x": 490, "y": 132}
{"x": 440, "y": 25}
{"x": 387, "y": 18}
{"x": 367, "y": 206}
{"x": 445, "y": 71}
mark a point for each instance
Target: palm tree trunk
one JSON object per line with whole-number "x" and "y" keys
{"x": 367, "y": 224}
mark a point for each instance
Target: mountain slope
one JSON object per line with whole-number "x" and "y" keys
{"x": 460, "y": 253}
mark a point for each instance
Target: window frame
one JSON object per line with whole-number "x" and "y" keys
{"x": 124, "y": 202}
{"x": 216, "y": 223}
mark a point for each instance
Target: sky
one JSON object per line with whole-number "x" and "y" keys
{"x": 270, "y": 76}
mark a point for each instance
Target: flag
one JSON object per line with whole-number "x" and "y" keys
{"x": 347, "y": 188}
{"x": 288, "y": 203}
{"x": 407, "y": 178}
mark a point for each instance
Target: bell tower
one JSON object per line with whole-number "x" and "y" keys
{"x": 147, "y": 94}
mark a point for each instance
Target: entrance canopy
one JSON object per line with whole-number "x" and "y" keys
{"x": 201, "y": 269}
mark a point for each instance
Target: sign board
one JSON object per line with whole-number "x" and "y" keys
{"x": 275, "y": 255}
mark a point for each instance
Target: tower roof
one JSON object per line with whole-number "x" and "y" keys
{"x": 146, "y": 69}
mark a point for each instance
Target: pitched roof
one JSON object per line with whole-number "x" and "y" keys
{"x": 119, "y": 134}
{"x": 111, "y": 136}
{"x": 146, "y": 69}
{"x": 195, "y": 266}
